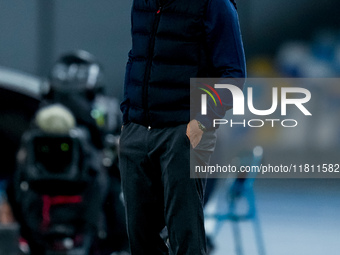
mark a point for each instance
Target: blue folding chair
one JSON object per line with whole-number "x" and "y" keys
{"x": 228, "y": 198}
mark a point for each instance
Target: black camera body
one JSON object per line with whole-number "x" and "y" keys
{"x": 57, "y": 191}
{"x": 56, "y": 163}
{"x": 57, "y": 157}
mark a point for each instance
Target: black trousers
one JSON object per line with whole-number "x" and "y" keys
{"x": 158, "y": 190}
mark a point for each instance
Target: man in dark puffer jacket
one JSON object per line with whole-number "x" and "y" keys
{"x": 172, "y": 41}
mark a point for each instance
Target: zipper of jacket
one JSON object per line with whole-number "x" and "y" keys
{"x": 149, "y": 63}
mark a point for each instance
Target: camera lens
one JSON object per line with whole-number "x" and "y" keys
{"x": 53, "y": 154}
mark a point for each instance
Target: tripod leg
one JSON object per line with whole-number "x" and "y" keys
{"x": 258, "y": 236}
{"x": 237, "y": 237}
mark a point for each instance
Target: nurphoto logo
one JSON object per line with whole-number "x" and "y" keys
{"x": 298, "y": 97}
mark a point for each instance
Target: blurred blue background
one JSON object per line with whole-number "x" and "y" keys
{"x": 34, "y": 33}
